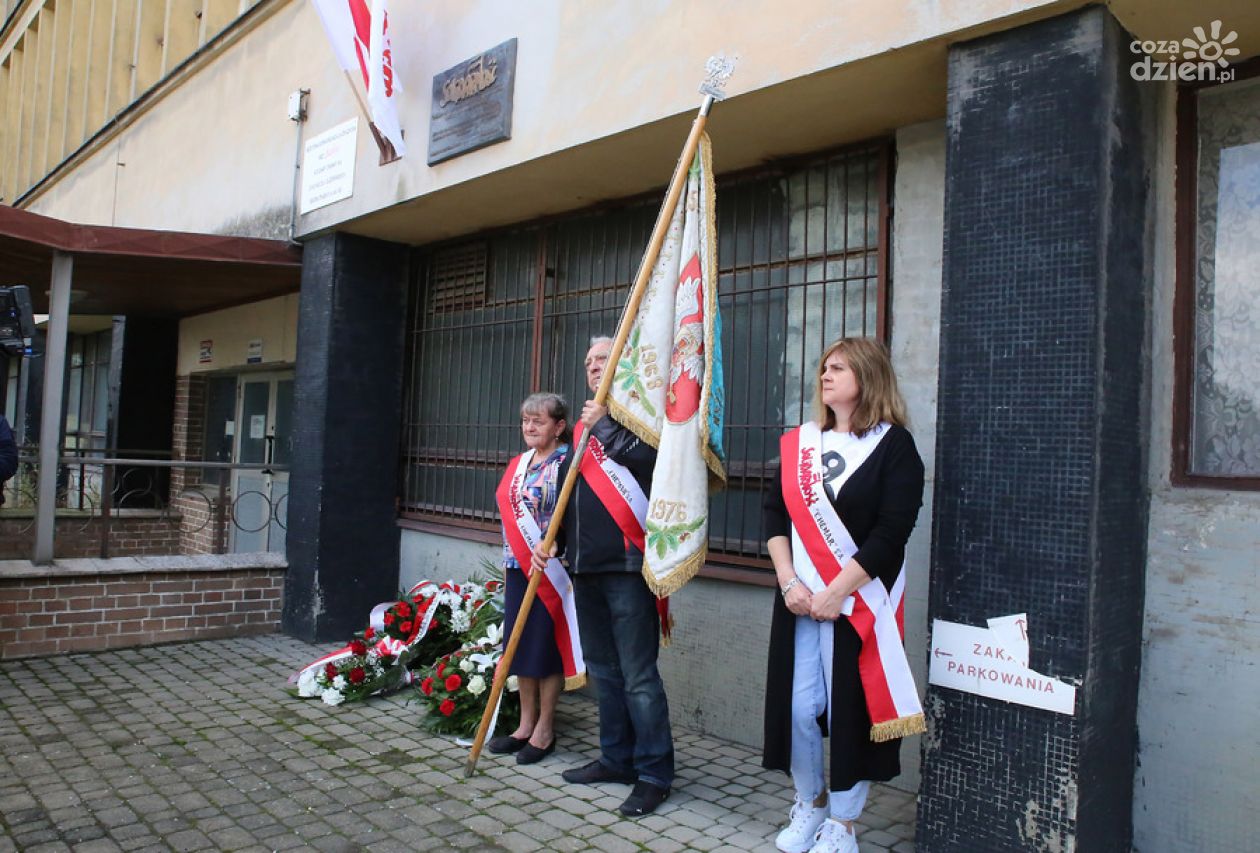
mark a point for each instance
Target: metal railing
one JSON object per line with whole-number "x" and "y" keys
{"x": 108, "y": 490}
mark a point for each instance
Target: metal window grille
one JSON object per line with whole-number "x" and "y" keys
{"x": 802, "y": 258}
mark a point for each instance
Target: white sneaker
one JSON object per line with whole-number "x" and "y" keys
{"x": 833, "y": 837}
{"x": 803, "y": 823}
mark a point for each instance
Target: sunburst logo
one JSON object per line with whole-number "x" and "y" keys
{"x": 1203, "y": 58}
{"x": 1211, "y": 49}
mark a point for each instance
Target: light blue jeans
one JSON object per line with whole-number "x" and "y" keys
{"x": 811, "y": 691}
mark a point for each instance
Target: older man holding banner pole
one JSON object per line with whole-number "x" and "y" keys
{"x": 666, "y": 387}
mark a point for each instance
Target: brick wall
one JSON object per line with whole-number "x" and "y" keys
{"x": 193, "y": 500}
{"x": 200, "y": 531}
{"x": 55, "y": 613}
{"x": 131, "y": 533}
{"x": 189, "y": 425}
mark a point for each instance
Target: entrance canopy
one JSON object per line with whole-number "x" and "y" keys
{"x": 141, "y": 272}
{"x": 107, "y": 270}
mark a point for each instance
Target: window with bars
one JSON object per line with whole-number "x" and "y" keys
{"x": 802, "y": 259}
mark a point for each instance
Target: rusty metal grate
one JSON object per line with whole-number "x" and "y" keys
{"x": 459, "y": 277}
{"x": 802, "y": 259}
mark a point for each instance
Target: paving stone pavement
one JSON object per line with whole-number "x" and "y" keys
{"x": 197, "y": 746}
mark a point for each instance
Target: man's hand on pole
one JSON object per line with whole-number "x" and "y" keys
{"x": 592, "y": 412}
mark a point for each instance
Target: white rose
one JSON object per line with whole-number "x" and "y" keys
{"x": 333, "y": 697}
{"x": 306, "y": 684}
{"x": 466, "y": 665}
{"x": 476, "y": 685}
{"x": 339, "y": 683}
{"x": 512, "y": 684}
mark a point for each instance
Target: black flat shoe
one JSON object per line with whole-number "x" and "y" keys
{"x": 531, "y": 754}
{"x": 506, "y": 744}
{"x": 595, "y": 773}
{"x": 644, "y": 799}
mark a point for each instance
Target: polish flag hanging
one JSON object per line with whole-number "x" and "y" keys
{"x": 361, "y": 41}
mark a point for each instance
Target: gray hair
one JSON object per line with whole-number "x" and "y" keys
{"x": 601, "y": 339}
{"x": 553, "y": 406}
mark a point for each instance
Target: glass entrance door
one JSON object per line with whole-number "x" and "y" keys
{"x": 260, "y": 497}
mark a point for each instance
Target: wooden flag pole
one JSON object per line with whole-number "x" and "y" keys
{"x": 623, "y": 332}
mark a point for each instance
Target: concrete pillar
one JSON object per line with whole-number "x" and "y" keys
{"x": 1040, "y": 496}
{"x": 51, "y": 422}
{"x": 342, "y": 530}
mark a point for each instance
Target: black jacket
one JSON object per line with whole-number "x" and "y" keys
{"x": 593, "y": 541}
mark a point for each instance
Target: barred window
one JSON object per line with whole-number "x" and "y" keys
{"x": 802, "y": 259}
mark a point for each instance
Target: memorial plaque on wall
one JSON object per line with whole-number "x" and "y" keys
{"x": 472, "y": 104}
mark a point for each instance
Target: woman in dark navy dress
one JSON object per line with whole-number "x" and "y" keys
{"x": 537, "y": 664}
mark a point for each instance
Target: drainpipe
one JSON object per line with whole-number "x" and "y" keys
{"x": 297, "y": 115}
{"x": 51, "y": 421}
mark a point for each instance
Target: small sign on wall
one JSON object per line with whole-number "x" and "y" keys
{"x": 205, "y": 351}
{"x": 254, "y": 351}
{"x": 472, "y": 103}
{"x": 328, "y": 166}
{"x": 993, "y": 662}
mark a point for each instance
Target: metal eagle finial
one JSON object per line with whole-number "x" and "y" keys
{"x": 718, "y": 69}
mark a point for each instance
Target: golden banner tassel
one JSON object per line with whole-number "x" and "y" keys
{"x": 900, "y": 727}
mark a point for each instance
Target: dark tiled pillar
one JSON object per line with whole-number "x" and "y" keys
{"x": 342, "y": 531}
{"x": 1040, "y": 493}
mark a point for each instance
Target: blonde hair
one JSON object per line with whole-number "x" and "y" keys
{"x": 878, "y": 397}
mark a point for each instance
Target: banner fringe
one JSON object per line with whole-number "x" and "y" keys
{"x": 898, "y": 728}
{"x": 678, "y": 578}
{"x": 622, "y": 415}
{"x": 575, "y": 682}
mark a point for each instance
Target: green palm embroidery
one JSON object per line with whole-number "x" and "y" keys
{"x": 666, "y": 538}
{"x": 628, "y": 373}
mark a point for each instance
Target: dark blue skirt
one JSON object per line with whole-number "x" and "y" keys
{"x": 536, "y": 655}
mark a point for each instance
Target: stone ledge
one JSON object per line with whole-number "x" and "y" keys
{"x": 90, "y": 567}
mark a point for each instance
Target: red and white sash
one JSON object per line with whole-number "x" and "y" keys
{"x": 555, "y": 590}
{"x": 625, "y": 500}
{"x": 821, "y": 545}
{"x": 616, "y": 487}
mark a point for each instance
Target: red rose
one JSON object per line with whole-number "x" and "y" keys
{"x": 452, "y": 683}
{"x": 426, "y": 687}
{"x": 330, "y": 671}
{"x": 433, "y": 625}
{"x": 405, "y": 627}
{"x": 357, "y": 647}
{"x": 447, "y": 707}
{"x": 403, "y": 608}
{"x": 440, "y": 667}
{"x": 357, "y": 675}
{"x": 369, "y": 633}
{"x": 389, "y": 618}
{"x": 476, "y": 604}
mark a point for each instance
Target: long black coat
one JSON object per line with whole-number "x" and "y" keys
{"x": 879, "y": 505}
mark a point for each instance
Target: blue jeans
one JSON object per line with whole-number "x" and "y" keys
{"x": 811, "y": 697}
{"x": 620, "y": 638}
